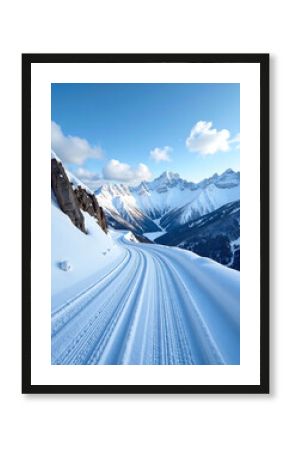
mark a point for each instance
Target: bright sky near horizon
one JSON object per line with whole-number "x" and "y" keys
{"x": 130, "y": 132}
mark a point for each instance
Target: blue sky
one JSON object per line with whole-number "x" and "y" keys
{"x": 108, "y": 130}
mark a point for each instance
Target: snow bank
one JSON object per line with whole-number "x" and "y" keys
{"x": 130, "y": 237}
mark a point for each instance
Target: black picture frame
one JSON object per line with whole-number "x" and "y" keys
{"x": 263, "y": 61}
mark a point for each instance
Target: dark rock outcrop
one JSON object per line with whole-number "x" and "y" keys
{"x": 72, "y": 201}
{"x": 89, "y": 204}
{"x": 102, "y": 220}
{"x": 65, "y": 195}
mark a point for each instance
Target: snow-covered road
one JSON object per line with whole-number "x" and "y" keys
{"x": 155, "y": 305}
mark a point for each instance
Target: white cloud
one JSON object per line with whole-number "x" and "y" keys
{"x": 207, "y": 140}
{"x": 236, "y": 140}
{"x": 116, "y": 170}
{"x": 90, "y": 179}
{"x": 72, "y": 149}
{"x": 161, "y": 154}
{"x": 84, "y": 173}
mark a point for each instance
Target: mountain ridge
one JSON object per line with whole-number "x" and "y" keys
{"x": 169, "y": 198}
{"x": 215, "y": 235}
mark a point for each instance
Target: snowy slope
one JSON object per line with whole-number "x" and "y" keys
{"x": 157, "y": 305}
{"x": 204, "y": 200}
{"x": 121, "y": 207}
{"x": 215, "y": 235}
{"x": 87, "y": 254}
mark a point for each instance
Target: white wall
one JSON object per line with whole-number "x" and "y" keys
{"x": 203, "y": 422}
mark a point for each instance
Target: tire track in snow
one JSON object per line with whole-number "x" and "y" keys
{"x": 95, "y": 328}
{"x": 73, "y": 307}
{"x": 198, "y": 338}
{"x": 69, "y": 342}
{"x": 177, "y": 343}
{"x": 210, "y": 298}
{"x": 111, "y": 348}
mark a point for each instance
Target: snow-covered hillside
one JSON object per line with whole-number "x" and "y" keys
{"x": 80, "y": 244}
{"x": 123, "y": 210}
{"x": 215, "y": 235}
{"x": 85, "y": 254}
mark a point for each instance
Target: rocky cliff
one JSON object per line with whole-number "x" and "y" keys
{"x": 73, "y": 200}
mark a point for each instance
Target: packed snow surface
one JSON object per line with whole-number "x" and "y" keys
{"x": 141, "y": 303}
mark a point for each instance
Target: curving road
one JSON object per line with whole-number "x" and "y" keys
{"x": 159, "y": 305}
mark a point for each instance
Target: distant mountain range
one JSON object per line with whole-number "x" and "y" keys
{"x": 169, "y": 208}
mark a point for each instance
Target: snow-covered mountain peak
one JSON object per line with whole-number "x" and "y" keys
{"x": 228, "y": 179}
{"x": 168, "y": 176}
{"x": 168, "y": 180}
{"x": 228, "y": 171}
{"x": 113, "y": 189}
{"x": 165, "y": 180}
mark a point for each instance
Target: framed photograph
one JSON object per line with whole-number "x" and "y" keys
{"x": 145, "y": 223}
